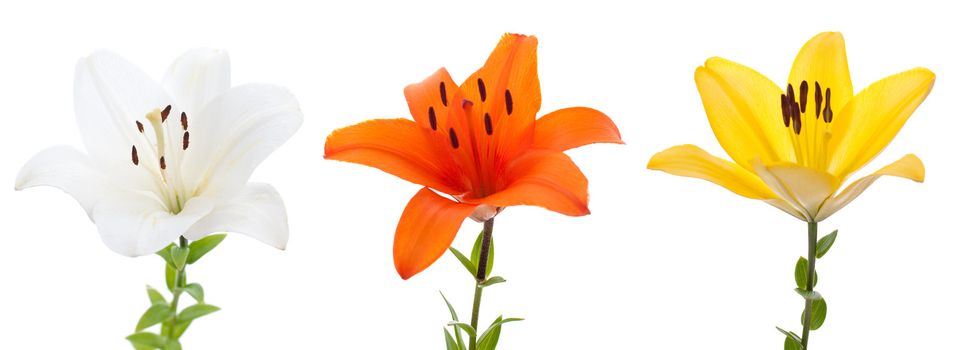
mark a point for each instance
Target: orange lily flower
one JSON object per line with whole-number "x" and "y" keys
{"x": 479, "y": 143}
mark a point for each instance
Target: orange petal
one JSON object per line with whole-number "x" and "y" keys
{"x": 435, "y": 93}
{"x": 573, "y": 127}
{"x": 396, "y": 146}
{"x": 543, "y": 178}
{"x": 426, "y": 229}
{"x": 509, "y": 93}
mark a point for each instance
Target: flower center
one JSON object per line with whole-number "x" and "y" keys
{"x": 165, "y": 157}
{"x": 810, "y": 137}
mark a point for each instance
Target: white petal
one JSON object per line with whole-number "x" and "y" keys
{"x": 68, "y": 169}
{"x": 257, "y": 212}
{"x": 908, "y": 167}
{"x": 110, "y": 94}
{"x": 197, "y": 77}
{"x": 805, "y": 189}
{"x": 234, "y": 133}
{"x": 135, "y": 224}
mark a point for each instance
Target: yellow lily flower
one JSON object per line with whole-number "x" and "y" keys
{"x": 795, "y": 149}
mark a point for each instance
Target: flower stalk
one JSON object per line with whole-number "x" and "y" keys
{"x": 813, "y": 233}
{"x": 481, "y": 277}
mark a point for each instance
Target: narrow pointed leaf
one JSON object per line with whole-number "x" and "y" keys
{"x": 180, "y": 328}
{"x": 491, "y": 338}
{"x": 496, "y": 325}
{"x": 204, "y": 245}
{"x": 174, "y": 344}
{"x": 196, "y": 311}
{"x": 450, "y": 342}
{"x": 474, "y": 255}
{"x": 147, "y": 339}
{"x": 155, "y": 314}
{"x": 818, "y": 314}
{"x": 825, "y": 243}
{"x": 491, "y": 281}
{"x": 459, "y": 337}
{"x": 465, "y": 327}
{"x": 792, "y": 339}
{"x": 195, "y": 291}
{"x": 463, "y": 260}
{"x": 155, "y": 296}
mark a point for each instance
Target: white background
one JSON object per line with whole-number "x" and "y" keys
{"x": 662, "y": 263}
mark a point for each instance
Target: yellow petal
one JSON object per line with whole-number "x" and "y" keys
{"x": 744, "y": 110}
{"x": 909, "y": 167}
{"x": 873, "y": 117}
{"x": 692, "y": 161}
{"x": 805, "y": 188}
{"x": 823, "y": 60}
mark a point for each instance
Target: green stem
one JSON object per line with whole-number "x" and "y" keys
{"x": 810, "y": 279}
{"x": 480, "y": 277}
{"x": 178, "y": 283}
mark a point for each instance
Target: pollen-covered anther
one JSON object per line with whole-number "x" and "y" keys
{"x": 186, "y": 140}
{"x": 827, "y": 110}
{"x": 784, "y": 105}
{"x": 443, "y": 93}
{"x": 803, "y": 91}
{"x": 482, "y": 89}
{"x": 818, "y": 100}
{"x": 509, "y": 102}
{"x": 163, "y": 163}
{"x": 488, "y": 122}
{"x": 140, "y": 126}
{"x": 183, "y": 121}
{"x": 454, "y": 141}
{"x": 432, "y": 115}
{"x": 165, "y": 113}
{"x": 136, "y": 158}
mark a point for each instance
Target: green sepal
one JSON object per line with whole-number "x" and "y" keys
{"x": 793, "y": 341}
{"x": 196, "y": 311}
{"x": 474, "y": 255}
{"x": 802, "y": 267}
{"x": 825, "y": 243}
{"x": 155, "y": 296}
{"x": 493, "y": 332}
{"x": 818, "y": 314}
{"x": 463, "y": 260}
{"x": 147, "y": 340}
{"x": 807, "y": 294}
{"x": 155, "y": 314}
{"x": 465, "y": 327}
{"x": 195, "y": 291}
{"x": 165, "y": 254}
{"x": 491, "y": 281}
{"x": 179, "y": 255}
{"x": 200, "y": 247}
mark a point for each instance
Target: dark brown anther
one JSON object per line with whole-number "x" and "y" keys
{"x": 432, "y": 114}
{"x": 186, "y": 140}
{"x": 183, "y": 121}
{"x": 162, "y": 162}
{"x": 818, "y": 100}
{"x": 790, "y": 94}
{"x": 509, "y": 102}
{"x": 443, "y": 93}
{"x": 165, "y": 113}
{"x": 797, "y": 118}
{"x": 784, "y": 105}
{"x": 140, "y": 126}
{"x": 803, "y": 91}
{"x": 482, "y": 89}
{"x": 136, "y": 158}
{"x": 489, "y": 124}
{"x": 827, "y": 111}
{"x": 455, "y": 142}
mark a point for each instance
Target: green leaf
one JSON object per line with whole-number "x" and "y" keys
{"x": 155, "y": 314}
{"x": 165, "y": 254}
{"x": 491, "y": 281}
{"x": 825, "y": 243}
{"x": 179, "y": 255}
{"x": 459, "y": 337}
{"x": 463, "y": 260}
{"x": 491, "y": 338}
{"x": 465, "y": 327}
{"x": 474, "y": 255}
{"x": 807, "y": 294}
{"x": 495, "y": 327}
{"x": 170, "y": 277}
{"x": 148, "y": 340}
{"x": 450, "y": 342}
{"x": 204, "y": 245}
{"x": 155, "y": 296}
{"x": 196, "y": 311}
{"x": 195, "y": 291}
{"x": 793, "y": 341}
{"x": 180, "y": 328}
{"x": 818, "y": 314}
{"x": 802, "y": 267}
{"x": 173, "y": 344}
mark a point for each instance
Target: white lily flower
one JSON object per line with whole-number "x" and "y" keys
{"x": 170, "y": 159}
